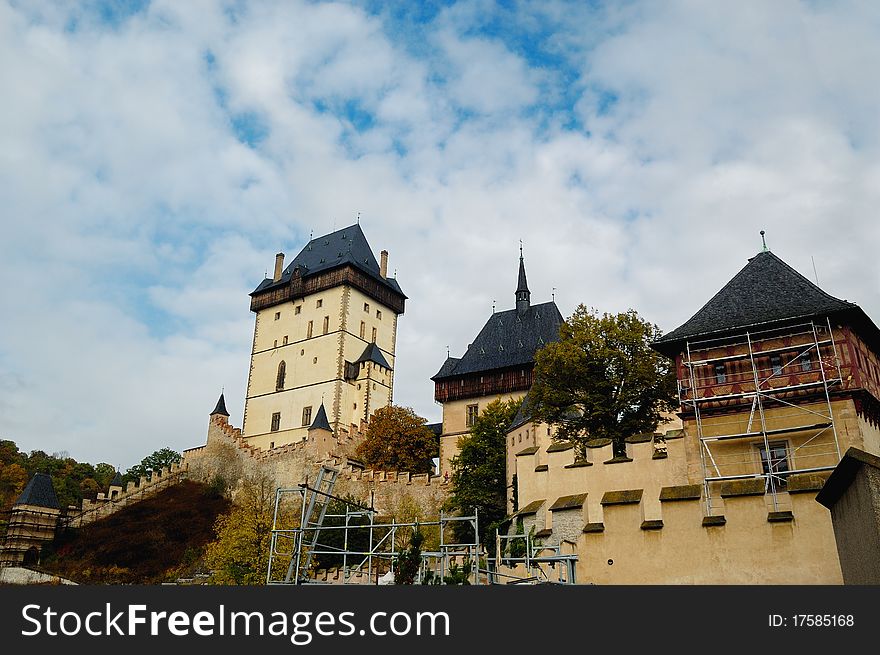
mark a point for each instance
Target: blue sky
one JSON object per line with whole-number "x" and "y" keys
{"x": 157, "y": 154}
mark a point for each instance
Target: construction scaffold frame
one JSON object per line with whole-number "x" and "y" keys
{"x": 806, "y": 362}
{"x": 301, "y": 521}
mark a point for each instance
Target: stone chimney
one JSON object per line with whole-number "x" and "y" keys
{"x": 279, "y": 266}
{"x": 383, "y": 265}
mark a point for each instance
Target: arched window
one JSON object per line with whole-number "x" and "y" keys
{"x": 279, "y": 381}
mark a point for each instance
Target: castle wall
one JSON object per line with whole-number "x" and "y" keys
{"x": 455, "y": 424}
{"x": 646, "y": 513}
{"x": 231, "y": 456}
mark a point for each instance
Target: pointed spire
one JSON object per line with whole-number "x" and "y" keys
{"x": 523, "y": 294}
{"x": 117, "y": 480}
{"x": 321, "y": 422}
{"x": 221, "y": 406}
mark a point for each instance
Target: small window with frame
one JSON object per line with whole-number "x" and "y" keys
{"x": 277, "y": 315}
{"x": 366, "y": 307}
{"x": 720, "y": 373}
{"x": 276, "y": 421}
{"x": 297, "y": 309}
{"x": 319, "y": 303}
{"x": 776, "y": 364}
{"x": 379, "y": 314}
{"x": 774, "y": 463}
{"x": 807, "y": 361}
{"x": 471, "y": 416}
{"x": 307, "y": 415}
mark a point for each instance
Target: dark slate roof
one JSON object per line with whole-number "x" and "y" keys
{"x": 220, "y": 408}
{"x": 321, "y": 422}
{"x": 508, "y": 339}
{"x": 345, "y": 246}
{"x": 435, "y": 428}
{"x": 373, "y": 354}
{"x": 523, "y": 414}
{"x": 765, "y": 291}
{"x": 40, "y": 492}
{"x": 117, "y": 480}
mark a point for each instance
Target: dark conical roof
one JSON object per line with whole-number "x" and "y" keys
{"x": 221, "y": 407}
{"x": 40, "y": 492}
{"x": 117, "y": 480}
{"x": 373, "y": 354}
{"x": 321, "y": 422}
{"x": 522, "y": 284}
{"x": 764, "y": 292}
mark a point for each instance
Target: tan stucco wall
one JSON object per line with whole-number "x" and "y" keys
{"x": 455, "y": 424}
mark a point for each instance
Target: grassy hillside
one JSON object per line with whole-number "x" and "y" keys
{"x": 155, "y": 540}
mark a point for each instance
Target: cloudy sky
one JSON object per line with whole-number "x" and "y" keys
{"x": 155, "y": 155}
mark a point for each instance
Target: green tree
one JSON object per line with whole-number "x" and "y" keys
{"x": 398, "y": 439}
{"x": 408, "y": 563}
{"x": 156, "y": 461}
{"x": 478, "y": 472}
{"x": 104, "y": 473}
{"x": 602, "y": 380}
{"x": 240, "y": 553}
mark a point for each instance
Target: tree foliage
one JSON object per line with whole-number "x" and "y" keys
{"x": 478, "y": 471}
{"x": 240, "y": 553}
{"x": 158, "y": 460}
{"x": 408, "y": 563}
{"x": 398, "y": 439}
{"x": 602, "y": 380}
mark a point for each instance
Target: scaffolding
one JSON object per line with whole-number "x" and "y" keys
{"x": 302, "y": 530}
{"x": 784, "y": 376}
{"x": 541, "y": 564}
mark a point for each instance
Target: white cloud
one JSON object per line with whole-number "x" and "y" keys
{"x": 135, "y": 221}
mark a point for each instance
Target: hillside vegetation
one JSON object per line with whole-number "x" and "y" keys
{"x": 156, "y": 540}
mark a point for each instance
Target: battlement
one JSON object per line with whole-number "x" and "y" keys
{"x": 92, "y": 510}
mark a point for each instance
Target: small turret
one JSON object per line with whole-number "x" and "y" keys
{"x": 523, "y": 295}
{"x": 220, "y": 408}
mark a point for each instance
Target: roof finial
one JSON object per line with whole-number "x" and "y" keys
{"x": 447, "y": 351}
{"x": 359, "y": 218}
{"x": 553, "y": 294}
{"x": 764, "y": 241}
{"x": 493, "y": 305}
{"x": 520, "y": 249}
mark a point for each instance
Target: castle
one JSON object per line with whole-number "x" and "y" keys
{"x": 776, "y": 380}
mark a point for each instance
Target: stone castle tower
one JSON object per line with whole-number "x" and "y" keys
{"x": 324, "y": 340}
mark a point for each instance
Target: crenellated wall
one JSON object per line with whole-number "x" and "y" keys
{"x": 227, "y": 454}
{"x": 642, "y": 519}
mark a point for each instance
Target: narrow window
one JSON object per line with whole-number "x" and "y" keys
{"x": 374, "y": 335}
{"x": 276, "y": 343}
{"x": 296, "y": 309}
{"x": 307, "y": 415}
{"x": 319, "y": 303}
{"x": 776, "y": 364}
{"x": 366, "y": 307}
{"x": 279, "y": 380}
{"x": 309, "y": 330}
{"x": 276, "y": 421}
{"x": 807, "y": 361}
{"x": 363, "y": 329}
{"x": 271, "y": 445}
{"x": 774, "y": 462}
{"x": 720, "y": 374}
{"x": 284, "y": 341}
{"x": 277, "y": 315}
{"x": 472, "y": 412}
{"x": 379, "y": 314}
{"x": 326, "y": 324}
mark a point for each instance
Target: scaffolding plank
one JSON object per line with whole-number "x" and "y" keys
{"x": 778, "y": 431}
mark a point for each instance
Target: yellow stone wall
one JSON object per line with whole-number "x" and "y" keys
{"x": 455, "y": 424}
{"x": 762, "y": 538}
